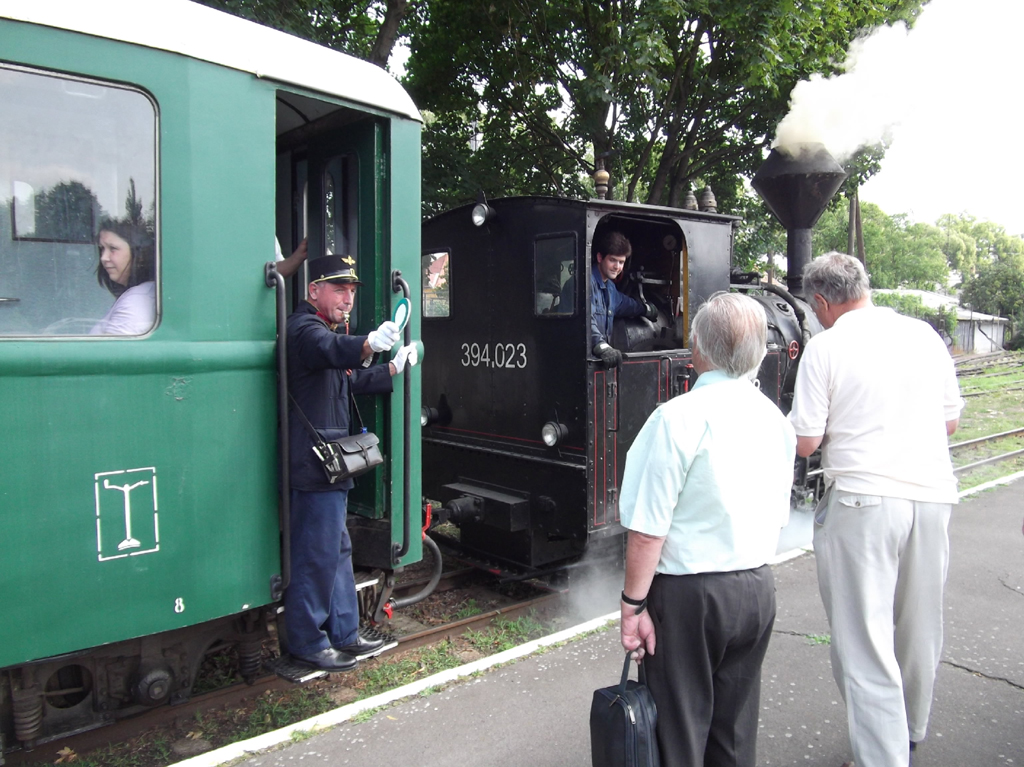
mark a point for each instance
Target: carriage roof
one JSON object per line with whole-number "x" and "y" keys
{"x": 199, "y": 32}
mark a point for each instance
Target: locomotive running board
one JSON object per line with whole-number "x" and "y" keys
{"x": 286, "y": 668}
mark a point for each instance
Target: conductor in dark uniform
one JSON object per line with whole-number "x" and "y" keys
{"x": 325, "y": 367}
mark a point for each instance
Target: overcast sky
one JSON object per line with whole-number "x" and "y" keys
{"x": 959, "y": 145}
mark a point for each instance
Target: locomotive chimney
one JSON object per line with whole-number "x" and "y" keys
{"x": 797, "y": 183}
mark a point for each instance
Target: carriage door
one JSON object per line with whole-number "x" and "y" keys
{"x": 346, "y": 180}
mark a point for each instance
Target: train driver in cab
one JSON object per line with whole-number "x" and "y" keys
{"x": 611, "y": 249}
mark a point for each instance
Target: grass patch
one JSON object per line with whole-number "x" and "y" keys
{"x": 388, "y": 673}
{"x": 274, "y": 710}
{"x": 819, "y": 639}
{"x": 991, "y": 412}
{"x": 365, "y": 716}
{"x": 468, "y": 610}
{"x": 505, "y": 634}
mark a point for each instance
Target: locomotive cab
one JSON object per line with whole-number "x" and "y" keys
{"x": 526, "y": 432}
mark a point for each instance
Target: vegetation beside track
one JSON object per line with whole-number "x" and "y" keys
{"x": 994, "y": 390}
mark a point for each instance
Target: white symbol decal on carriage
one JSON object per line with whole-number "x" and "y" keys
{"x": 127, "y": 522}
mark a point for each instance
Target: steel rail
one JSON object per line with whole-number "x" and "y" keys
{"x": 993, "y": 459}
{"x": 965, "y": 443}
{"x": 989, "y": 438}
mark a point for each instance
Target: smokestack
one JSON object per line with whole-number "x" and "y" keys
{"x": 797, "y": 183}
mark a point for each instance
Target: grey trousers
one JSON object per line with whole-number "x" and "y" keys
{"x": 712, "y": 633}
{"x": 881, "y": 570}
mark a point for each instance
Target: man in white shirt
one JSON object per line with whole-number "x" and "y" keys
{"x": 705, "y": 493}
{"x": 878, "y": 392}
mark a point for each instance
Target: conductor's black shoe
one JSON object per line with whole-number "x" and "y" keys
{"x": 369, "y": 642}
{"x": 329, "y": 660}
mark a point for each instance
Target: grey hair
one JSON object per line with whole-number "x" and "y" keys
{"x": 731, "y": 333}
{"x": 836, "y": 277}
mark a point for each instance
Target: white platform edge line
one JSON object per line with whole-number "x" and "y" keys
{"x": 994, "y": 483}
{"x": 267, "y": 740}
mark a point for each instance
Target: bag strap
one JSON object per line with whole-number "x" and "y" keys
{"x": 317, "y": 439}
{"x": 352, "y": 402}
{"x": 641, "y": 673}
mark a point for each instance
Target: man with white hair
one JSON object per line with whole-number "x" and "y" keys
{"x": 705, "y": 493}
{"x": 878, "y": 393}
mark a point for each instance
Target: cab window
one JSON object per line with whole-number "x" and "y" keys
{"x": 435, "y": 269}
{"x": 78, "y": 244}
{"x": 554, "y": 277}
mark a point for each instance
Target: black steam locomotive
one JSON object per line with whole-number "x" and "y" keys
{"x": 525, "y": 431}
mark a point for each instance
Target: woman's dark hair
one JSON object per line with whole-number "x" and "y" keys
{"x": 142, "y": 266}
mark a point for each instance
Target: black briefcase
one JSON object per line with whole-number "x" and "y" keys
{"x": 623, "y": 720}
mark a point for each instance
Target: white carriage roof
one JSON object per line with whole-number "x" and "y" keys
{"x": 194, "y": 30}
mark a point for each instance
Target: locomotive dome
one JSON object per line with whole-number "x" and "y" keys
{"x": 199, "y": 32}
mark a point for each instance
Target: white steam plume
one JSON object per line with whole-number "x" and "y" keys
{"x": 862, "y": 104}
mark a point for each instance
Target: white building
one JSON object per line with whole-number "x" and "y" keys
{"x": 976, "y": 333}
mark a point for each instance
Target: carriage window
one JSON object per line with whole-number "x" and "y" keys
{"x": 554, "y": 284}
{"x": 78, "y": 253}
{"x": 340, "y": 207}
{"x": 436, "y": 284}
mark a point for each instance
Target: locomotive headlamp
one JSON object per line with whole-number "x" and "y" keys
{"x": 428, "y": 415}
{"x": 482, "y": 213}
{"x": 553, "y": 433}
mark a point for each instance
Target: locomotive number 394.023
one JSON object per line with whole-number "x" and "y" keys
{"x": 498, "y": 355}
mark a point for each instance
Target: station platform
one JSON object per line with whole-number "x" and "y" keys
{"x": 533, "y": 710}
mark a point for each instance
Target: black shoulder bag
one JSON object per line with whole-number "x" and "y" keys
{"x": 345, "y": 457}
{"x": 623, "y": 720}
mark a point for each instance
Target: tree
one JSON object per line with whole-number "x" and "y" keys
{"x": 942, "y": 319}
{"x": 66, "y": 212}
{"x": 669, "y": 93}
{"x": 899, "y": 254}
{"x": 997, "y": 283}
{"x": 759, "y": 237}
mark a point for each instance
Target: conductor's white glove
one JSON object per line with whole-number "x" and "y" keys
{"x": 384, "y": 337}
{"x": 407, "y": 355}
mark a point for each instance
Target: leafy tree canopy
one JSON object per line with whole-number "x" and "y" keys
{"x": 669, "y": 93}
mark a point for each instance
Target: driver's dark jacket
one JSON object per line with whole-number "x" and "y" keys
{"x": 607, "y": 303}
{"x": 323, "y": 368}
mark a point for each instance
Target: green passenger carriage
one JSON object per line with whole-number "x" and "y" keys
{"x": 140, "y": 523}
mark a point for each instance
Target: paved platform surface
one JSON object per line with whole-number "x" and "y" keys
{"x": 534, "y": 711}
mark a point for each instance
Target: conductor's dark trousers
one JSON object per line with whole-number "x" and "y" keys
{"x": 320, "y": 603}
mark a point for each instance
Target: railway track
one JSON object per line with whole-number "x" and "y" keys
{"x": 979, "y": 441}
{"x": 972, "y": 443}
{"x": 238, "y": 695}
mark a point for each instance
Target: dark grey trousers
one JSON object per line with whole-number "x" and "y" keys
{"x": 712, "y": 633}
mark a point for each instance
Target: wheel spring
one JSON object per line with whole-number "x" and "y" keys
{"x": 250, "y": 658}
{"x": 28, "y": 714}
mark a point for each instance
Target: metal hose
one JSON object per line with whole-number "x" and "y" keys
{"x": 435, "y": 578}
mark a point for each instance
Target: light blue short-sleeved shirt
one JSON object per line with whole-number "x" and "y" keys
{"x": 711, "y": 471}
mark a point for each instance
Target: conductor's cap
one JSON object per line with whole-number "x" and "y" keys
{"x": 333, "y": 269}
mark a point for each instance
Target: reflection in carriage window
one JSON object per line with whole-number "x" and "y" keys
{"x": 341, "y": 222}
{"x": 554, "y": 275}
{"x": 77, "y": 207}
{"x": 435, "y": 268}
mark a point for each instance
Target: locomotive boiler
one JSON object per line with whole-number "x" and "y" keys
{"x": 525, "y": 432}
